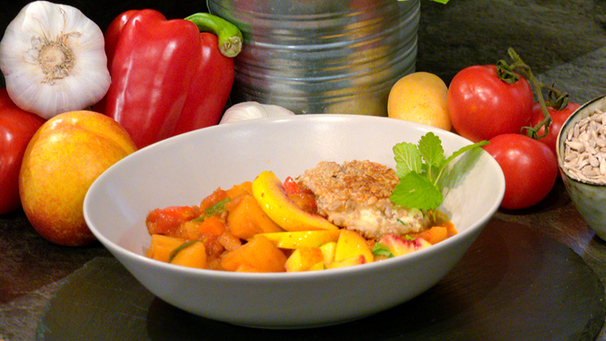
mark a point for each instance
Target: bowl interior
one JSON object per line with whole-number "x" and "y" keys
{"x": 184, "y": 169}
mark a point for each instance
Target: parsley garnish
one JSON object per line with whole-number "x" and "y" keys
{"x": 213, "y": 209}
{"x": 419, "y": 168}
{"x": 380, "y": 249}
{"x": 174, "y": 252}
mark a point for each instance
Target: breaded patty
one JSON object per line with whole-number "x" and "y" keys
{"x": 356, "y": 195}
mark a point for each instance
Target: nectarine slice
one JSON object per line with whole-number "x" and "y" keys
{"x": 294, "y": 240}
{"x": 351, "y": 244}
{"x": 357, "y": 260}
{"x": 271, "y": 196}
{"x": 259, "y": 253}
{"x": 399, "y": 246}
{"x": 303, "y": 259}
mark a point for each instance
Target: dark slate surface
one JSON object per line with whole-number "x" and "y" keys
{"x": 513, "y": 284}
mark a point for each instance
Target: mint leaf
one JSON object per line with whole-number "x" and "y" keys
{"x": 419, "y": 169}
{"x": 432, "y": 153}
{"x": 407, "y": 158}
{"x": 416, "y": 190}
{"x": 464, "y": 149}
{"x": 431, "y": 150}
{"x": 213, "y": 209}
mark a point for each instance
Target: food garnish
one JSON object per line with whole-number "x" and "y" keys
{"x": 213, "y": 209}
{"x": 419, "y": 168}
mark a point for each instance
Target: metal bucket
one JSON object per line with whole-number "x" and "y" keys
{"x": 322, "y": 56}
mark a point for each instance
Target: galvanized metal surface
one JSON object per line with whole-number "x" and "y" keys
{"x": 322, "y": 56}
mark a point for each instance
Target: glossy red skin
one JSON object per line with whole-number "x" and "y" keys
{"x": 209, "y": 90}
{"x": 291, "y": 186}
{"x": 16, "y": 130}
{"x": 529, "y": 166}
{"x": 481, "y": 106}
{"x": 558, "y": 118}
{"x": 167, "y": 77}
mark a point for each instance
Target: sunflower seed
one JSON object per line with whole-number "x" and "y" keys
{"x": 585, "y": 148}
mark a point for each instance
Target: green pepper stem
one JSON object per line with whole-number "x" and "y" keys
{"x": 230, "y": 37}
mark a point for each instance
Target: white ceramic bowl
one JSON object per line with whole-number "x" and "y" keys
{"x": 588, "y": 198}
{"x": 186, "y": 168}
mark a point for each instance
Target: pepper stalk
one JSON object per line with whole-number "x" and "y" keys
{"x": 230, "y": 37}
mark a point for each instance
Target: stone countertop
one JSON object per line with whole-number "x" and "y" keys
{"x": 563, "y": 41}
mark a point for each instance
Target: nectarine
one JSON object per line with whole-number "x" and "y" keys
{"x": 61, "y": 161}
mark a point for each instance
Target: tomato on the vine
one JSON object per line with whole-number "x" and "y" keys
{"x": 482, "y": 106}
{"x": 530, "y": 169}
{"x": 16, "y": 129}
{"x": 558, "y": 118}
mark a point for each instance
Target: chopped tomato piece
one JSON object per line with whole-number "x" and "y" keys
{"x": 167, "y": 221}
{"x": 291, "y": 186}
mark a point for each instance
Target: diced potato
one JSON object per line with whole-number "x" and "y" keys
{"x": 237, "y": 190}
{"x": 259, "y": 253}
{"x": 435, "y": 234}
{"x": 212, "y": 225}
{"x": 193, "y": 256}
{"x": 212, "y": 199}
{"x": 162, "y": 246}
{"x": 247, "y": 219}
{"x": 229, "y": 241}
{"x": 188, "y": 230}
{"x": 246, "y": 268}
{"x": 451, "y": 229}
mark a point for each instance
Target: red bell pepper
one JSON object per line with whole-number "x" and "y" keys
{"x": 168, "y": 77}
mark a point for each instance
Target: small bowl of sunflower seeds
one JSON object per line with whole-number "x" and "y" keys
{"x": 581, "y": 153}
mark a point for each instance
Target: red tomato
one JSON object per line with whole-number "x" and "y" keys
{"x": 529, "y": 166}
{"x": 16, "y": 129}
{"x": 481, "y": 106}
{"x": 291, "y": 186}
{"x": 558, "y": 117}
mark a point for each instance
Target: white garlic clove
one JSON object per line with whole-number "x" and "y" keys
{"x": 252, "y": 110}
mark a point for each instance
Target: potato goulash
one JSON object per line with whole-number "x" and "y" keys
{"x": 329, "y": 217}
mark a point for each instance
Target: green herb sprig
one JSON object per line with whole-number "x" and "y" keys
{"x": 419, "y": 168}
{"x": 185, "y": 245}
{"x": 213, "y": 209}
{"x": 380, "y": 249}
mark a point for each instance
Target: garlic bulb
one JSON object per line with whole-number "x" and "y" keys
{"x": 250, "y": 110}
{"x": 53, "y": 59}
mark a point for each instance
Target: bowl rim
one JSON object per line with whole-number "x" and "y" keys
{"x": 569, "y": 124}
{"x": 472, "y": 229}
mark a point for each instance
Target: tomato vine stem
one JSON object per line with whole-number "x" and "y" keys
{"x": 505, "y": 72}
